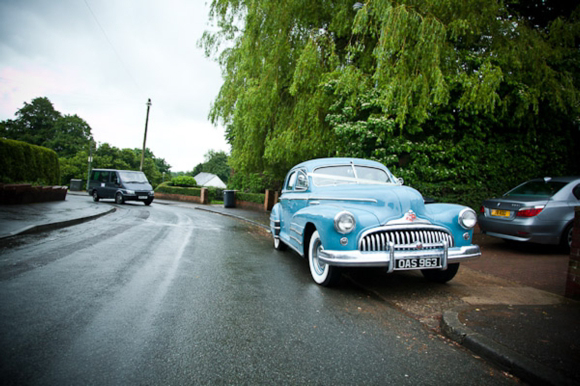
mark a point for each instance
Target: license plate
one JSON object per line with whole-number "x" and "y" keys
{"x": 419, "y": 263}
{"x": 500, "y": 213}
{"x": 142, "y": 197}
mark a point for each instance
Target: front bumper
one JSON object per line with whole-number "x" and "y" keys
{"x": 389, "y": 258}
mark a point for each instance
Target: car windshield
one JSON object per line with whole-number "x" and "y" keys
{"x": 349, "y": 174}
{"x": 537, "y": 188}
{"x": 133, "y": 177}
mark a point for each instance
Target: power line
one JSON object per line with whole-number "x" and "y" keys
{"x": 113, "y": 47}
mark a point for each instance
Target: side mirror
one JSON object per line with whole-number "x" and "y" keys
{"x": 400, "y": 180}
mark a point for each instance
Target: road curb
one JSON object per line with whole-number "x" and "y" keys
{"x": 522, "y": 367}
{"x": 55, "y": 225}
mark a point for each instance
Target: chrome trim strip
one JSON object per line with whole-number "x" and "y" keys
{"x": 355, "y": 258}
{"x": 296, "y": 228}
{"x": 344, "y": 199}
{"x": 295, "y": 239}
{"x": 301, "y": 253}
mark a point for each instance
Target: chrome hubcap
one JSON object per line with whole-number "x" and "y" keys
{"x": 318, "y": 267}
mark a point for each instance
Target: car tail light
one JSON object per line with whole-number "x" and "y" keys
{"x": 529, "y": 212}
{"x": 482, "y": 209}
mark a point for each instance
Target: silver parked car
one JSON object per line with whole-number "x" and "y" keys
{"x": 538, "y": 211}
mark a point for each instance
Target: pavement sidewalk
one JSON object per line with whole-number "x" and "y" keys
{"x": 538, "y": 343}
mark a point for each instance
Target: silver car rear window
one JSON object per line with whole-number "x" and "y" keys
{"x": 537, "y": 188}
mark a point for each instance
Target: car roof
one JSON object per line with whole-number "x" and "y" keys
{"x": 566, "y": 179}
{"x": 316, "y": 163}
{"x": 115, "y": 170}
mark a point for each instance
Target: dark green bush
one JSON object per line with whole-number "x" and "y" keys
{"x": 216, "y": 194}
{"x": 22, "y": 162}
{"x": 166, "y": 188}
{"x": 185, "y": 181}
{"x": 258, "y": 198}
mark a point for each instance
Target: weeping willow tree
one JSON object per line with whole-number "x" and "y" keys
{"x": 443, "y": 91}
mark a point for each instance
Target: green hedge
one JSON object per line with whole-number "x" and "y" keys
{"x": 258, "y": 198}
{"x": 165, "y": 188}
{"x": 22, "y": 162}
{"x": 183, "y": 181}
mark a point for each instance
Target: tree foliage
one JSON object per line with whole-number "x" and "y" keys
{"x": 215, "y": 162}
{"x": 70, "y": 137}
{"x": 462, "y": 98}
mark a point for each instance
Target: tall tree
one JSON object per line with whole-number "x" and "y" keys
{"x": 215, "y": 162}
{"x": 34, "y": 122}
{"x": 420, "y": 85}
{"x": 40, "y": 124}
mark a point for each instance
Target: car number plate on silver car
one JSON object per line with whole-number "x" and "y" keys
{"x": 418, "y": 263}
{"x": 142, "y": 197}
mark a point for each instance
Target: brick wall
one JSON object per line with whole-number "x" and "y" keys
{"x": 573, "y": 280}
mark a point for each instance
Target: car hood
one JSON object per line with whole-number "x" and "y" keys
{"x": 386, "y": 203}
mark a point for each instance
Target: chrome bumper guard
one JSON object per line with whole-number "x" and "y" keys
{"x": 388, "y": 258}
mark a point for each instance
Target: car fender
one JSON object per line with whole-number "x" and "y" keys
{"x": 275, "y": 220}
{"x": 447, "y": 216}
{"x": 321, "y": 218}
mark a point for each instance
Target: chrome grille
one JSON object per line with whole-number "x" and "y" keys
{"x": 405, "y": 239}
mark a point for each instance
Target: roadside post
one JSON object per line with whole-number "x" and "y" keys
{"x": 573, "y": 279}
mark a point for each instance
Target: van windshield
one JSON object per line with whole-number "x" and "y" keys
{"x": 133, "y": 177}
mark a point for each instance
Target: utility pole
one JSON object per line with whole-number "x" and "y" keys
{"x": 90, "y": 162}
{"x": 145, "y": 136}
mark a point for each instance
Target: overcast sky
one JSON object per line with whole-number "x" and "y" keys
{"x": 102, "y": 60}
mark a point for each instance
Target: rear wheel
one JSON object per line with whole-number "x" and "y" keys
{"x": 119, "y": 199}
{"x": 95, "y": 196}
{"x": 566, "y": 239}
{"x": 440, "y": 276}
{"x": 323, "y": 274}
{"x": 279, "y": 244}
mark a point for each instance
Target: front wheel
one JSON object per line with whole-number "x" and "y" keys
{"x": 119, "y": 199}
{"x": 148, "y": 201}
{"x": 439, "y": 276}
{"x": 95, "y": 196}
{"x": 323, "y": 274}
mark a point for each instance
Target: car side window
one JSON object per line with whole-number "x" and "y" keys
{"x": 576, "y": 192}
{"x": 114, "y": 178}
{"x": 301, "y": 181}
{"x": 291, "y": 181}
{"x": 102, "y": 176}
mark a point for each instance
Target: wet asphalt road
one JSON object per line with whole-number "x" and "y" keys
{"x": 166, "y": 295}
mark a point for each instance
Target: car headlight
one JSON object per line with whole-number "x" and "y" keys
{"x": 344, "y": 222}
{"x": 130, "y": 191}
{"x": 467, "y": 218}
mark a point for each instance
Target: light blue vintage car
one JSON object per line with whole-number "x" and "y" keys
{"x": 346, "y": 212}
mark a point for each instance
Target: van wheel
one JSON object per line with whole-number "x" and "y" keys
{"x": 95, "y": 196}
{"x": 119, "y": 199}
